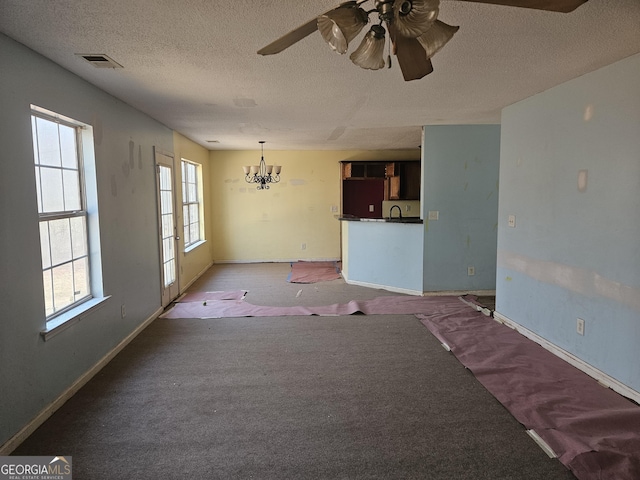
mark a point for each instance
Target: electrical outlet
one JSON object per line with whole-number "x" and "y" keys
{"x": 334, "y": 209}
{"x": 407, "y": 208}
{"x": 471, "y": 271}
{"x": 123, "y": 311}
{"x": 512, "y": 221}
{"x": 434, "y": 214}
{"x": 303, "y": 246}
{"x": 372, "y": 208}
{"x": 580, "y": 326}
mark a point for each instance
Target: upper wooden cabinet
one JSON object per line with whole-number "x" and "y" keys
{"x": 402, "y": 178}
{"x": 364, "y": 170}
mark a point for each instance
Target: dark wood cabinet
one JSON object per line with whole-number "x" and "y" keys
{"x": 366, "y": 184}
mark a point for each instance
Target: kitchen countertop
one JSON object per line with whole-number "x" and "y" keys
{"x": 352, "y": 218}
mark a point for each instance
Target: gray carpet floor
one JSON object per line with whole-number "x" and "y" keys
{"x": 357, "y": 397}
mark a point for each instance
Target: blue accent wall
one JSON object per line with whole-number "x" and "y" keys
{"x": 570, "y": 174}
{"x": 386, "y": 255}
{"x": 460, "y": 181}
{"x": 34, "y": 373}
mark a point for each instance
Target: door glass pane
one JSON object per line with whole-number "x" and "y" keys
{"x": 167, "y": 225}
{"x": 166, "y": 200}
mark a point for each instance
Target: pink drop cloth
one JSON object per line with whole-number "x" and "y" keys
{"x": 390, "y": 304}
{"x": 594, "y": 431}
{"x": 210, "y": 296}
{"x": 312, "y": 272}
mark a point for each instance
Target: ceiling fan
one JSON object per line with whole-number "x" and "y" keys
{"x": 414, "y": 30}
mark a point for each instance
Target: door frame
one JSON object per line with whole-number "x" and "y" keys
{"x": 172, "y": 291}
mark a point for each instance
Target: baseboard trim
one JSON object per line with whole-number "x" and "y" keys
{"x": 383, "y": 287}
{"x": 13, "y": 443}
{"x": 457, "y": 293}
{"x": 202, "y": 272}
{"x": 600, "y": 376}
{"x": 279, "y": 260}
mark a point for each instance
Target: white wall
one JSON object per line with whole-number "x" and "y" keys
{"x": 575, "y": 252}
{"x": 33, "y": 373}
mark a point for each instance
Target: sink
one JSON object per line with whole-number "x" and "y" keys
{"x": 403, "y": 220}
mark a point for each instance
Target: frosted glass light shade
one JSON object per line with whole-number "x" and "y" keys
{"x": 341, "y": 25}
{"x": 412, "y": 18}
{"x": 370, "y": 53}
{"x": 276, "y": 169}
{"x": 254, "y": 169}
{"x": 269, "y": 169}
{"x": 436, "y": 37}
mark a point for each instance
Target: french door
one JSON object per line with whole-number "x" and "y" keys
{"x": 167, "y": 226}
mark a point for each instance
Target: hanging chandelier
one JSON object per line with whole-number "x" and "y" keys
{"x": 262, "y": 174}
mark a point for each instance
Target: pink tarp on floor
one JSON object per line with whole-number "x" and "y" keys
{"x": 210, "y": 296}
{"x": 594, "y": 431}
{"x": 390, "y": 304}
{"x": 312, "y": 272}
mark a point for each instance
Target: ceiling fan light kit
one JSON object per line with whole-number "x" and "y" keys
{"x": 341, "y": 25}
{"x": 413, "y": 25}
{"x": 436, "y": 37}
{"x": 370, "y": 53}
{"x": 415, "y": 17}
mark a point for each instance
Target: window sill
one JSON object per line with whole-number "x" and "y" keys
{"x": 194, "y": 246}
{"x": 73, "y": 316}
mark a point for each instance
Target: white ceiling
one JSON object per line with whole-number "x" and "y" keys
{"x": 192, "y": 65}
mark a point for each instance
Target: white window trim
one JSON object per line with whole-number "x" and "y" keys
{"x": 193, "y": 246}
{"x": 199, "y": 193}
{"x": 68, "y": 317}
{"x": 61, "y": 322}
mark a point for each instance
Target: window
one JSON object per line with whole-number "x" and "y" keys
{"x": 191, "y": 203}
{"x": 62, "y": 209}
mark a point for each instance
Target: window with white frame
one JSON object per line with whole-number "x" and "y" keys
{"x": 191, "y": 203}
{"x": 62, "y": 209}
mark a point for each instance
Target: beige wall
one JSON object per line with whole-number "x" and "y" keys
{"x": 194, "y": 262}
{"x": 272, "y": 225}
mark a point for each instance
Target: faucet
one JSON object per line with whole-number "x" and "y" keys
{"x": 399, "y": 210}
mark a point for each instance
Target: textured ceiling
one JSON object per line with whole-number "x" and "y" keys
{"x": 192, "y": 65}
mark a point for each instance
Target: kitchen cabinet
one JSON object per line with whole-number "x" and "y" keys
{"x": 366, "y": 184}
{"x": 363, "y": 170}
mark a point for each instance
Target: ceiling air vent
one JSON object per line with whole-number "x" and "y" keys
{"x": 100, "y": 60}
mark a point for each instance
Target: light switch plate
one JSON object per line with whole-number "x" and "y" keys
{"x": 434, "y": 214}
{"x": 580, "y": 326}
{"x": 512, "y": 221}
{"x": 371, "y": 208}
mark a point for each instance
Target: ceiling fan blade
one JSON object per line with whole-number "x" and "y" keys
{"x": 297, "y": 34}
{"x": 290, "y": 38}
{"x": 564, "y": 6}
{"x": 412, "y": 57}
